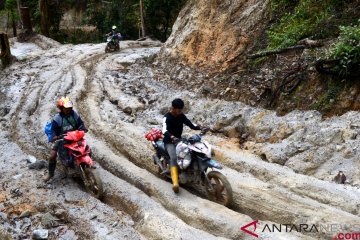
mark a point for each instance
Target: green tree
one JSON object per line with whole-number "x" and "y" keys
{"x": 161, "y": 15}
{"x": 347, "y": 49}
{"x": 10, "y": 10}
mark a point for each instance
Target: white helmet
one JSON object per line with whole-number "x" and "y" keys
{"x": 114, "y": 27}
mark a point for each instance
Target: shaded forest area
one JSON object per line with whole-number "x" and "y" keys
{"x": 90, "y": 20}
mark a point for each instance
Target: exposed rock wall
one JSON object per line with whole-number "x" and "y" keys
{"x": 213, "y": 33}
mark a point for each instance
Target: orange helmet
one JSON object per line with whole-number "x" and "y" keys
{"x": 64, "y": 102}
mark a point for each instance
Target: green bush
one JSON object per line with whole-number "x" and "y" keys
{"x": 307, "y": 19}
{"x": 347, "y": 49}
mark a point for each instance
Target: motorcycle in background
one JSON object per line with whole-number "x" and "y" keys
{"x": 113, "y": 43}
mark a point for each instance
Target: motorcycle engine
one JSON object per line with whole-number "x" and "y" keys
{"x": 186, "y": 177}
{"x": 183, "y": 178}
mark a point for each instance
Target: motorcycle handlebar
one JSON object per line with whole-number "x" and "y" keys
{"x": 204, "y": 131}
{"x": 61, "y": 136}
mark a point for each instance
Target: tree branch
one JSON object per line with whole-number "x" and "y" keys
{"x": 277, "y": 51}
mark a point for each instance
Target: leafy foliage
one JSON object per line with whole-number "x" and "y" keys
{"x": 308, "y": 18}
{"x": 125, "y": 14}
{"x": 328, "y": 99}
{"x": 347, "y": 49}
{"x": 161, "y": 15}
{"x": 9, "y": 9}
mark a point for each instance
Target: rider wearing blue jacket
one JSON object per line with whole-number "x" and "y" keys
{"x": 63, "y": 122}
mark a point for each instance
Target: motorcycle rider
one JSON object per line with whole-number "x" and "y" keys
{"x": 114, "y": 34}
{"x": 64, "y": 121}
{"x": 172, "y": 129}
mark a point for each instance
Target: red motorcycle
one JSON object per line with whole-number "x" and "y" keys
{"x": 78, "y": 157}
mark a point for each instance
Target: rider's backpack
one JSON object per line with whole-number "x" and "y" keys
{"x": 48, "y": 131}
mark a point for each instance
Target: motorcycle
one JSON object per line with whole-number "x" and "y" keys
{"x": 76, "y": 154}
{"x": 113, "y": 43}
{"x": 195, "y": 167}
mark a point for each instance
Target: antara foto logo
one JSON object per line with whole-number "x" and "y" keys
{"x": 245, "y": 228}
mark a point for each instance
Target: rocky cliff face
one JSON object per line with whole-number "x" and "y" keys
{"x": 214, "y": 33}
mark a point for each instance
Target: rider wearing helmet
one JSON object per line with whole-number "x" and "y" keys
{"x": 64, "y": 121}
{"x": 173, "y": 122}
{"x": 114, "y": 34}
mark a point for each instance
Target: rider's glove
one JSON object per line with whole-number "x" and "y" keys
{"x": 204, "y": 129}
{"x": 174, "y": 139}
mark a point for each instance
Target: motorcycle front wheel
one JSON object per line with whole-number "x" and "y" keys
{"x": 94, "y": 184}
{"x": 107, "y": 49}
{"x": 219, "y": 189}
{"x": 110, "y": 47}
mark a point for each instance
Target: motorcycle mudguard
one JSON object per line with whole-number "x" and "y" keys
{"x": 214, "y": 164}
{"x": 206, "y": 162}
{"x": 203, "y": 165}
{"x": 85, "y": 159}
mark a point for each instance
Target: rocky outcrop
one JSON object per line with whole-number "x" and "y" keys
{"x": 214, "y": 33}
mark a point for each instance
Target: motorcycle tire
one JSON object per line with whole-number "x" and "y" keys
{"x": 220, "y": 190}
{"x": 107, "y": 49}
{"x": 95, "y": 187}
{"x": 110, "y": 47}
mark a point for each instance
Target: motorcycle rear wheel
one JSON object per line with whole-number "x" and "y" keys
{"x": 94, "y": 186}
{"x": 220, "y": 190}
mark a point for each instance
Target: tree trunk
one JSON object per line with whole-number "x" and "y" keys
{"x": 13, "y": 22}
{"x": 44, "y": 19}
{"x": 26, "y": 20}
{"x": 143, "y": 28}
{"x": 19, "y": 7}
{"x": 7, "y": 21}
{"x": 5, "y": 50}
{"x": 167, "y": 22}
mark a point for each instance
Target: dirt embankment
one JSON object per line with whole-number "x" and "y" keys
{"x": 208, "y": 52}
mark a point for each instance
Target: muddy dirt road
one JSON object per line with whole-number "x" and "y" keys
{"x": 120, "y": 98}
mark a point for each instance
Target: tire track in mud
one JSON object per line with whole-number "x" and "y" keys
{"x": 311, "y": 187}
{"x": 279, "y": 197}
{"x": 43, "y": 92}
{"x": 28, "y": 107}
{"x": 116, "y": 146}
{"x": 122, "y": 170}
{"x": 144, "y": 184}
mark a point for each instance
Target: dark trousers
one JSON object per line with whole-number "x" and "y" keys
{"x": 171, "y": 149}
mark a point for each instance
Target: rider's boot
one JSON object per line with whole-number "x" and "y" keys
{"x": 175, "y": 178}
{"x": 52, "y": 166}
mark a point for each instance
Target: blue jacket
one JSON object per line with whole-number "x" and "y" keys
{"x": 62, "y": 124}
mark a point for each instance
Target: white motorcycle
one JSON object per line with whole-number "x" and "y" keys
{"x": 195, "y": 167}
